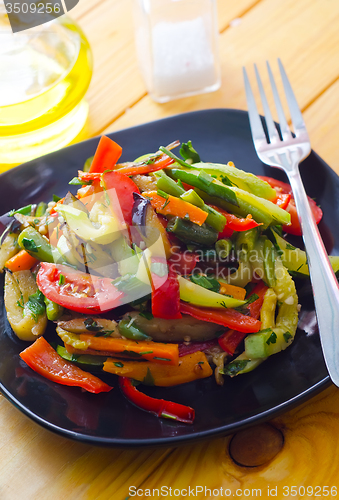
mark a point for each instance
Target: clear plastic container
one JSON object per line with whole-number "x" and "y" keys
{"x": 44, "y": 75}
{"x": 177, "y": 47}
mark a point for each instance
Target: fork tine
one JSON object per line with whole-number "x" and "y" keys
{"x": 297, "y": 119}
{"x": 285, "y": 130}
{"x": 258, "y": 133}
{"x": 272, "y": 131}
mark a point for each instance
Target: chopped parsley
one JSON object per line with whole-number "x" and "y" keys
{"x": 92, "y": 326}
{"x": 287, "y": 336}
{"x": 119, "y": 365}
{"x": 36, "y": 305}
{"x": 61, "y": 280}
{"x": 271, "y": 339}
{"x": 30, "y": 245}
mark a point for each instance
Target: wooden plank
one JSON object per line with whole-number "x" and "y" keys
{"x": 322, "y": 121}
{"x": 116, "y": 83}
{"x": 51, "y": 467}
{"x": 292, "y": 33}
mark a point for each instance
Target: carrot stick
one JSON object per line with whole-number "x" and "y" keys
{"x": 152, "y": 351}
{"x": 235, "y": 291}
{"x": 176, "y": 207}
{"x": 22, "y": 261}
{"x": 192, "y": 367}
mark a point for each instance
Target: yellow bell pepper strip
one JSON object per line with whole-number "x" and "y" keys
{"x": 160, "y": 407}
{"x": 191, "y": 367}
{"x": 22, "y": 261}
{"x": 230, "y": 318}
{"x": 43, "y": 359}
{"x": 176, "y": 207}
{"x": 106, "y": 156}
{"x": 167, "y": 354}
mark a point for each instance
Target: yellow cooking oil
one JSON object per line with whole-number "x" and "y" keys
{"x": 44, "y": 75}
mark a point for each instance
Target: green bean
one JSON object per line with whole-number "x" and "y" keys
{"x": 223, "y": 248}
{"x": 191, "y": 233}
{"x": 214, "y": 219}
{"x": 53, "y": 310}
{"x": 128, "y": 329}
{"x": 207, "y": 184}
{"x": 192, "y": 197}
{"x": 168, "y": 185}
{"x": 245, "y": 241}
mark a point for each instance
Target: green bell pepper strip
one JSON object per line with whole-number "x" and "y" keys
{"x": 33, "y": 242}
{"x": 41, "y": 209}
{"x": 199, "y": 296}
{"x": 273, "y": 340}
{"x": 191, "y": 233}
{"x": 53, "y": 310}
{"x": 89, "y": 361}
{"x": 241, "y": 364}
{"x": 243, "y": 180}
{"x": 129, "y": 330}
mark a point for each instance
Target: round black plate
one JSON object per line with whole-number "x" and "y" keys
{"x": 108, "y": 419}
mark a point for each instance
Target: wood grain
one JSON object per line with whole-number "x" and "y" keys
{"x": 36, "y": 464}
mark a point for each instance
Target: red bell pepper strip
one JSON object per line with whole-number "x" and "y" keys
{"x": 124, "y": 188}
{"x": 106, "y": 156}
{"x": 284, "y": 188}
{"x": 255, "y": 307}
{"x": 160, "y": 407}
{"x": 230, "y": 318}
{"x": 183, "y": 262}
{"x": 43, "y": 359}
{"x": 230, "y": 340}
{"x": 283, "y": 200}
{"x": 234, "y": 223}
{"x": 165, "y": 294}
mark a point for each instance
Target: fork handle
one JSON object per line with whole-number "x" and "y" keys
{"x": 324, "y": 283}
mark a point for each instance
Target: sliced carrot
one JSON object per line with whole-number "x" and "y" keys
{"x": 191, "y": 367}
{"x": 176, "y": 207}
{"x": 163, "y": 162}
{"x": 152, "y": 351}
{"x": 22, "y": 261}
{"x": 235, "y": 291}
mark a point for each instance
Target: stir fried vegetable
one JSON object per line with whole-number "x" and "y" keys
{"x": 159, "y": 271}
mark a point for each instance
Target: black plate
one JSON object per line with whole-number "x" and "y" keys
{"x": 108, "y": 419}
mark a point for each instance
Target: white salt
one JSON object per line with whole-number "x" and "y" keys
{"x": 183, "y": 59}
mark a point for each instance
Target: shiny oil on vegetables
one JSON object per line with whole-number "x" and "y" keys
{"x": 160, "y": 271}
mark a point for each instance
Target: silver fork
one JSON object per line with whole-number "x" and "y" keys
{"x": 286, "y": 155}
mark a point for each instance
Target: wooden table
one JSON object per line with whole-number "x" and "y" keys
{"x": 36, "y": 464}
